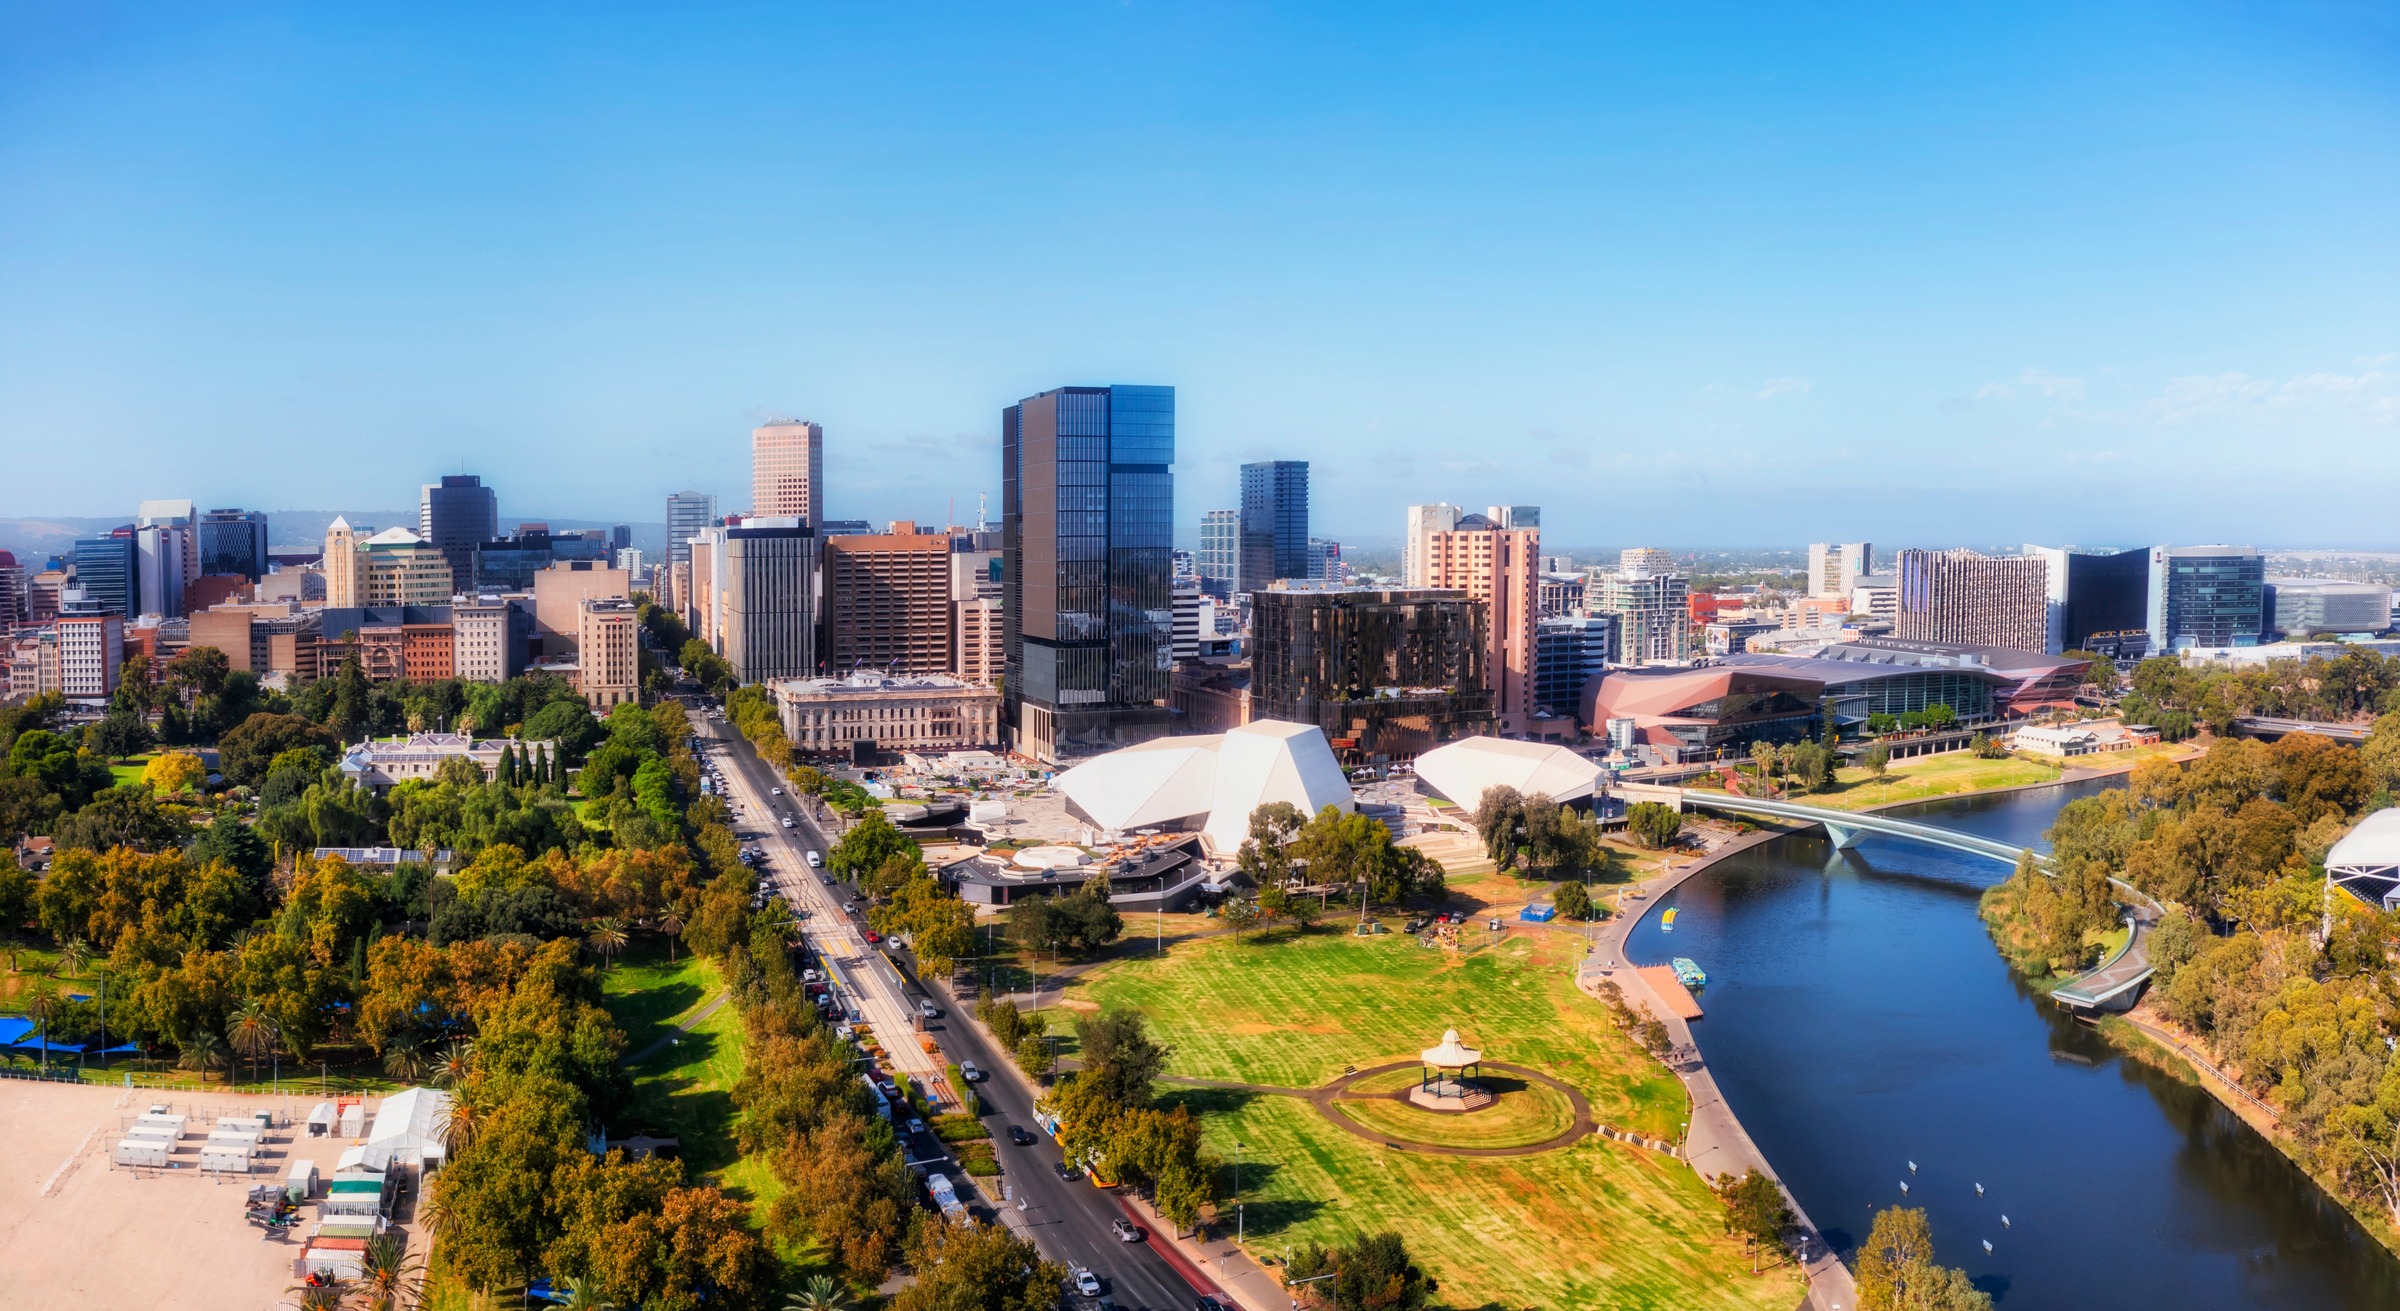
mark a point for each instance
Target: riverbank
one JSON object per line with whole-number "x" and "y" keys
{"x": 1714, "y": 1141}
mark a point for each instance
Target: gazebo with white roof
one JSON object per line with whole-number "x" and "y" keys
{"x": 1449, "y": 1070}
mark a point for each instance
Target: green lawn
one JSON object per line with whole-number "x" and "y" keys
{"x": 1595, "y": 1225}
{"x": 1525, "y": 1113}
{"x": 1933, "y": 776}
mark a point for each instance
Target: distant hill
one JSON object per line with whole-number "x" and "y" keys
{"x": 33, "y": 541}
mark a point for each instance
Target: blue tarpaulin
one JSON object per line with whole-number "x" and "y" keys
{"x": 1539, "y": 912}
{"x": 13, "y": 1028}
{"x": 38, "y": 1044}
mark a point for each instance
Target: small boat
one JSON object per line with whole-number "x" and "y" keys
{"x": 1688, "y": 973}
{"x": 1666, "y": 923}
{"x": 1904, "y": 1185}
{"x": 1987, "y": 1245}
{"x": 1979, "y": 1190}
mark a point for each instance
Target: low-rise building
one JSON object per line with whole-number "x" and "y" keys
{"x": 932, "y": 712}
{"x": 488, "y": 636}
{"x": 381, "y": 766}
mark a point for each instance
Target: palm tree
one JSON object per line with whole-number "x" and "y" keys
{"x": 387, "y": 1276}
{"x": 820, "y": 1293}
{"x": 671, "y": 924}
{"x": 607, "y": 937}
{"x": 404, "y": 1059}
{"x": 73, "y": 955}
{"x": 253, "y": 1032}
{"x": 580, "y": 1297}
{"x": 203, "y": 1051}
{"x": 457, "y": 1127}
{"x": 457, "y": 1060}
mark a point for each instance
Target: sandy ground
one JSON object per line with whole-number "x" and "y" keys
{"x": 79, "y": 1231}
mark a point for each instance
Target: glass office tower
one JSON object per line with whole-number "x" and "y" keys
{"x": 2206, "y": 596}
{"x": 234, "y": 542}
{"x": 1087, "y": 497}
{"x": 1274, "y": 523}
{"x": 109, "y": 571}
{"x": 458, "y": 514}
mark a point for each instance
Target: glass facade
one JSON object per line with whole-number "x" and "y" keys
{"x": 687, "y": 514}
{"x": 106, "y": 570}
{"x": 2206, "y": 596}
{"x": 1274, "y": 530}
{"x": 1087, "y": 535}
{"x": 1898, "y": 694}
{"x": 2108, "y": 604}
{"x": 233, "y": 542}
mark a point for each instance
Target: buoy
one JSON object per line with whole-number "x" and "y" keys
{"x": 1904, "y": 1185}
{"x": 1987, "y": 1245}
{"x": 2004, "y": 1222}
{"x": 1979, "y": 1190}
{"x": 1912, "y": 1167}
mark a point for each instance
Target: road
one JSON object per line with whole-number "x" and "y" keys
{"x": 1068, "y": 1221}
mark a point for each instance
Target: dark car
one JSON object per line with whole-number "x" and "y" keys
{"x": 1020, "y": 1135}
{"x": 1067, "y": 1172}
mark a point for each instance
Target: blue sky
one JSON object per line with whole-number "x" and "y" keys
{"x": 1716, "y": 276}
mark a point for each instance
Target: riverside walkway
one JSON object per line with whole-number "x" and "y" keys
{"x": 2110, "y": 986}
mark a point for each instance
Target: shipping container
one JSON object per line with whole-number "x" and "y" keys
{"x": 152, "y": 1152}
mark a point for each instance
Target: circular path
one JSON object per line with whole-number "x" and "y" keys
{"x": 1584, "y": 1125}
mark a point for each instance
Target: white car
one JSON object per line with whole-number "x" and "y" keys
{"x": 916, "y": 1125}
{"x": 787, "y": 823}
{"x": 968, "y": 1072}
{"x": 1087, "y": 1283}
{"x": 815, "y": 861}
{"x": 775, "y": 792}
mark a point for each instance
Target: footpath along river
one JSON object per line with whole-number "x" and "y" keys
{"x": 1859, "y": 1019}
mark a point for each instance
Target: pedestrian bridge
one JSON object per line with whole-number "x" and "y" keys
{"x": 2113, "y": 985}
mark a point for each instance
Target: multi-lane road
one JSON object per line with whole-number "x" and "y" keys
{"x": 1070, "y": 1221}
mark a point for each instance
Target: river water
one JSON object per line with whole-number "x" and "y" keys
{"x": 1859, "y": 1018}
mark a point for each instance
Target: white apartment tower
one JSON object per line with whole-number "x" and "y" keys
{"x": 1834, "y": 568}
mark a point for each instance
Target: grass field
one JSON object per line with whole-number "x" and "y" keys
{"x": 1595, "y": 1225}
{"x": 1525, "y": 1113}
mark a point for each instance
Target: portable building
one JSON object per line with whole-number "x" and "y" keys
{"x": 333, "y": 1261}
{"x": 174, "y": 1124}
{"x": 227, "y": 1160}
{"x": 249, "y": 1124}
{"x": 355, "y": 1194}
{"x": 354, "y": 1120}
{"x": 355, "y": 1227}
{"x": 152, "y": 1152}
{"x": 322, "y": 1120}
{"x": 300, "y": 1182}
{"x": 321, "y": 1243}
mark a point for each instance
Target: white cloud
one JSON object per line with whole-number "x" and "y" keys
{"x": 2374, "y": 394}
{"x": 1783, "y": 386}
{"x": 2033, "y": 382}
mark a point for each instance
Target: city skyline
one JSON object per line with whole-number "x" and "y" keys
{"x": 1921, "y": 256}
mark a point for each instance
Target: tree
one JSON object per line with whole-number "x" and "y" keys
{"x": 1573, "y": 900}
{"x": 246, "y": 753}
{"x": 1878, "y": 759}
{"x": 1034, "y": 1055}
{"x": 819, "y": 1293}
{"x": 201, "y": 671}
{"x": 607, "y": 937}
{"x": 868, "y": 844}
{"x": 253, "y": 1032}
{"x": 1376, "y": 1275}
{"x": 203, "y": 1051}
{"x": 1266, "y": 856}
{"x": 1120, "y": 1058}
{"x": 1499, "y": 820}
{"x": 122, "y": 817}
{"x": 1896, "y": 1269}
{"x": 175, "y": 771}
{"x": 1239, "y": 914}
{"x": 120, "y": 735}
{"x": 1755, "y": 1209}
{"x": 496, "y": 1195}
{"x": 1654, "y": 824}
{"x": 978, "y": 1267}
{"x": 387, "y": 1277}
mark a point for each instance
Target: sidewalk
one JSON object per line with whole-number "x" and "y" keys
{"x": 1715, "y": 1142}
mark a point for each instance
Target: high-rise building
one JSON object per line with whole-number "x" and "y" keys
{"x": 2309, "y": 607}
{"x": 768, "y": 609}
{"x": 2096, "y": 601}
{"x": 620, "y": 537}
{"x": 108, "y": 571}
{"x": 887, "y": 602}
{"x": 1645, "y": 561}
{"x": 1498, "y": 566}
{"x": 234, "y": 542}
{"x": 1567, "y": 651}
{"x": 176, "y": 514}
{"x": 1654, "y": 617}
{"x": 2205, "y": 596}
{"x": 487, "y": 639}
{"x": 162, "y": 560}
{"x": 977, "y": 651}
{"x": 1387, "y": 674}
{"x": 631, "y": 561}
{"x": 1415, "y": 548}
{"x": 787, "y": 471}
{"x": 345, "y": 578}
{"x": 1087, "y": 520}
{"x": 456, "y": 515}
{"x": 1324, "y": 559}
{"x": 1220, "y": 560}
{"x": 509, "y": 564}
{"x": 558, "y": 596}
{"x": 1560, "y": 593}
{"x": 12, "y": 592}
{"x": 91, "y": 647}
{"x": 975, "y": 572}
{"x": 1274, "y": 540}
{"x": 397, "y": 567}
{"x": 1514, "y": 516}
{"x": 1835, "y": 567}
{"x": 1974, "y": 600}
{"x": 687, "y": 514}
{"x": 608, "y": 653}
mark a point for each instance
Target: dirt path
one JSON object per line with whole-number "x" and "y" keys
{"x": 685, "y": 1025}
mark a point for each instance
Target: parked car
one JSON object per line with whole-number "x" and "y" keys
{"x": 1126, "y": 1231}
{"x": 873, "y": 937}
{"x": 1020, "y": 1135}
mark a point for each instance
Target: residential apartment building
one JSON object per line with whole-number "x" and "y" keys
{"x": 1416, "y": 549}
{"x": 766, "y": 614}
{"x": 91, "y": 648}
{"x": 1974, "y": 600}
{"x": 787, "y": 471}
{"x": 1835, "y": 567}
{"x": 487, "y": 639}
{"x": 1274, "y": 530}
{"x": 233, "y": 542}
{"x": 1087, "y": 523}
{"x": 977, "y": 645}
{"x": 1653, "y": 619}
{"x": 1558, "y": 593}
{"x": 457, "y": 515}
{"x": 608, "y": 650}
{"x": 887, "y": 602}
{"x": 1497, "y": 566}
{"x": 829, "y": 716}
{"x": 1388, "y": 675}
{"x": 1645, "y": 560}
{"x": 1219, "y": 562}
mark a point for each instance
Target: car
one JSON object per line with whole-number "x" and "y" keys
{"x": 775, "y": 792}
{"x": 1087, "y": 1283}
{"x": 929, "y": 1010}
{"x": 873, "y": 937}
{"x": 815, "y": 861}
{"x": 968, "y": 1072}
{"x": 787, "y": 821}
{"x": 826, "y": 879}
{"x": 1207, "y": 1303}
{"x": 1126, "y": 1231}
{"x": 810, "y": 976}
{"x": 1020, "y": 1135}
{"x": 1066, "y": 1171}
{"x": 915, "y": 1125}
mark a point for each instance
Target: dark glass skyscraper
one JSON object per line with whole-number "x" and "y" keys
{"x": 109, "y": 571}
{"x": 2108, "y": 608}
{"x": 458, "y": 514}
{"x": 234, "y": 542}
{"x": 1087, "y": 512}
{"x": 1274, "y": 522}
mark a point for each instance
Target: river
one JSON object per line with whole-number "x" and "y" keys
{"x": 1859, "y": 1018}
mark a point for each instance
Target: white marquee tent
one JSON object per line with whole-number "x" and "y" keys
{"x": 1222, "y": 778}
{"x": 1461, "y": 771}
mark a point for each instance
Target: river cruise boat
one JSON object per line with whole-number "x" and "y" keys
{"x": 1688, "y": 973}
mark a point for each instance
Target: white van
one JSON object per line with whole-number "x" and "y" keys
{"x": 815, "y": 861}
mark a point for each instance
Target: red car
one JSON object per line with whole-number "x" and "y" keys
{"x": 871, "y": 936}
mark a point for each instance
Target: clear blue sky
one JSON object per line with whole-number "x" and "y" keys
{"x": 1740, "y": 276}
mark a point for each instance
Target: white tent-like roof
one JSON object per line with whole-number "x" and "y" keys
{"x": 1461, "y": 771}
{"x": 1272, "y": 761}
{"x": 409, "y": 1129}
{"x": 1156, "y": 782}
{"x": 2366, "y": 863}
{"x": 1451, "y": 1055}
